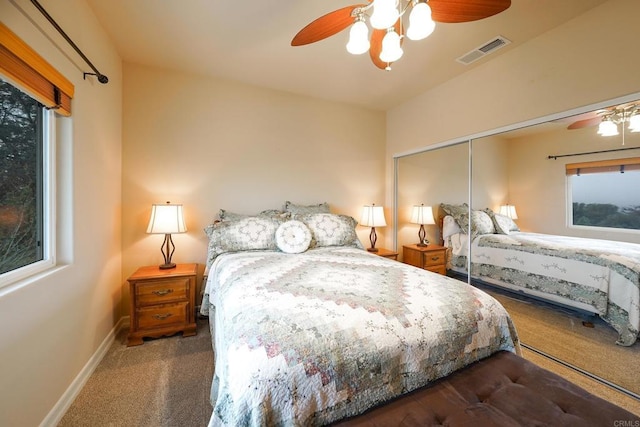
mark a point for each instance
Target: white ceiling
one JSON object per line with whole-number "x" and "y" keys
{"x": 250, "y": 41}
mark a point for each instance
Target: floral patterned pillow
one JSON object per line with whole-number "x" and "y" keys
{"x": 294, "y": 209}
{"x": 502, "y": 223}
{"x": 481, "y": 223}
{"x": 251, "y": 233}
{"x": 293, "y": 237}
{"x": 331, "y": 229}
{"x": 226, "y": 215}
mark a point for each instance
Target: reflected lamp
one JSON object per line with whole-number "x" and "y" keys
{"x": 508, "y": 210}
{"x": 422, "y": 215}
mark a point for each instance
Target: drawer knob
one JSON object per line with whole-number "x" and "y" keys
{"x": 163, "y": 292}
{"x": 162, "y": 316}
{"x": 435, "y": 258}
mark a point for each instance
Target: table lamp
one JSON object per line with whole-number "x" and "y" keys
{"x": 508, "y": 210}
{"x": 373, "y": 216}
{"x": 422, "y": 215}
{"x": 166, "y": 219}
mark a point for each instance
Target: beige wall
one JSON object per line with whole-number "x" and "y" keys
{"x": 213, "y": 144}
{"x": 53, "y": 324}
{"x": 490, "y": 173}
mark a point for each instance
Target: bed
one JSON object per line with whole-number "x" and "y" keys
{"x": 308, "y": 328}
{"x": 597, "y": 276}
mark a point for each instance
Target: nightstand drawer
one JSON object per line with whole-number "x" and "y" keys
{"x": 434, "y": 258}
{"x": 162, "y": 291}
{"x": 440, "y": 269}
{"x": 162, "y": 315}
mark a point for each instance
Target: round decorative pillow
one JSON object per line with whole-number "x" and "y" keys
{"x": 293, "y": 237}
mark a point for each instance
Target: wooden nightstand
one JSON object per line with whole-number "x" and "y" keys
{"x": 162, "y": 302}
{"x": 432, "y": 257}
{"x": 386, "y": 253}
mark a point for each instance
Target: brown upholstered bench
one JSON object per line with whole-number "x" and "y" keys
{"x": 502, "y": 390}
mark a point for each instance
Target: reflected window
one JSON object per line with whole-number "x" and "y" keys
{"x": 605, "y": 193}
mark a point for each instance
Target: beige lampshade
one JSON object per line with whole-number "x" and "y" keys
{"x": 373, "y": 216}
{"x": 166, "y": 219}
{"x": 422, "y": 214}
{"x": 508, "y": 210}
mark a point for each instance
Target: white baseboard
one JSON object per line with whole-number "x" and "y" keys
{"x": 60, "y": 408}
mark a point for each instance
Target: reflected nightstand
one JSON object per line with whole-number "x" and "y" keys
{"x": 431, "y": 257}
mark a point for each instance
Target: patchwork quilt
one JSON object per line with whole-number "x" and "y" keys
{"x": 310, "y": 338}
{"x": 602, "y": 275}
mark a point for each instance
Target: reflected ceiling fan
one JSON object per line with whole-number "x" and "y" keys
{"x": 386, "y": 19}
{"x": 608, "y": 119}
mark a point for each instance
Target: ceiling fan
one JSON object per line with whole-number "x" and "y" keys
{"x": 386, "y": 19}
{"x": 608, "y": 119}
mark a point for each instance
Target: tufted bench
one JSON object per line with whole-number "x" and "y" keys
{"x": 502, "y": 390}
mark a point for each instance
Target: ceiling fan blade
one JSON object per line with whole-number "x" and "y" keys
{"x": 376, "y": 45}
{"x": 585, "y": 123}
{"x": 456, "y": 11}
{"x": 325, "y": 26}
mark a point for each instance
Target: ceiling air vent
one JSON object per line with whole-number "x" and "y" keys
{"x": 483, "y": 50}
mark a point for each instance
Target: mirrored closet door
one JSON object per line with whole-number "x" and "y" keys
{"x": 530, "y": 171}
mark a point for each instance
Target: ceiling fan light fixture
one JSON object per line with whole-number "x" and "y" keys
{"x": 358, "y": 38}
{"x": 634, "y": 122}
{"x": 421, "y": 24}
{"x": 415, "y": 19}
{"x": 391, "y": 49}
{"x": 607, "y": 128}
{"x": 385, "y": 14}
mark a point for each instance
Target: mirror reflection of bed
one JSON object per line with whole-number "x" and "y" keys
{"x": 577, "y": 325}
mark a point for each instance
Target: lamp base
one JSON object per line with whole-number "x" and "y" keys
{"x": 167, "y": 249}
{"x": 422, "y": 237}
{"x": 167, "y": 266}
{"x": 373, "y": 238}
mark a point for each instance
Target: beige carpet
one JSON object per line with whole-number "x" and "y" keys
{"x": 166, "y": 382}
{"x": 592, "y": 386}
{"x": 561, "y": 334}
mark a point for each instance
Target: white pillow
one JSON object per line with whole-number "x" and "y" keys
{"x": 293, "y": 237}
{"x": 449, "y": 227}
{"x": 502, "y": 223}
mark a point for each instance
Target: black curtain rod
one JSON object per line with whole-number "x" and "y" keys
{"x": 101, "y": 77}
{"x": 592, "y": 152}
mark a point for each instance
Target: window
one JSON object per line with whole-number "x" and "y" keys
{"x": 605, "y": 193}
{"x": 30, "y": 90}
{"x": 23, "y": 180}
